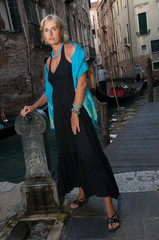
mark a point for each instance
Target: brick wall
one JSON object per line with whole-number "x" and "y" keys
{"x": 18, "y": 86}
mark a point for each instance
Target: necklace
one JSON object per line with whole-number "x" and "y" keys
{"x": 58, "y": 51}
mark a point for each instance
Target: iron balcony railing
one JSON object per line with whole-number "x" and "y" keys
{"x": 143, "y": 32}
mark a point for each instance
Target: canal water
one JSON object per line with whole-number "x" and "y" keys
{"x": 12, "y": 167}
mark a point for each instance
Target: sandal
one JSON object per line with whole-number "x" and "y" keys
{"x": 113, "y": 220}
{"x": 79, "y": 202}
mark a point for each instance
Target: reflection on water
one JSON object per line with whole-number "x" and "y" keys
{"x": 12, "y": 167}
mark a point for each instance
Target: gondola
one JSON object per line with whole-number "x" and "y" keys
{"x": 129, "y": 94}
{"x": 7, "y": 124}
{"x": 7, "y": 127}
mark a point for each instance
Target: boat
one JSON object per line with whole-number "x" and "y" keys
{"x": 128, "y": 93}
{"x": 7, "y": 124}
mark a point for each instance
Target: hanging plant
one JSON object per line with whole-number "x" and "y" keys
{"x": 103, "y": 28}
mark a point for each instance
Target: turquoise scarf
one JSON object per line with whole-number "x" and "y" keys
{"x": 79, "y": 66}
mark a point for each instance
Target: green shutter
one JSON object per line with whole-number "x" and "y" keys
{"x": 142, "y": 23}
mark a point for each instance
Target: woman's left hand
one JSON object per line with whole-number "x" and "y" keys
{"x": 75, "y": 123}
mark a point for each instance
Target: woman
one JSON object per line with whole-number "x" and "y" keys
{"x": 81, "y": 161}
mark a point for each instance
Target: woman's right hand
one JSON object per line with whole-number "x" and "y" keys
{"x": 26, "y": 110}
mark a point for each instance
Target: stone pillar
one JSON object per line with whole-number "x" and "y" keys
{"x": 39, "y": 192}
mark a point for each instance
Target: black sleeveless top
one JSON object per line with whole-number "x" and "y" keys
{"x": 62, "y": 72}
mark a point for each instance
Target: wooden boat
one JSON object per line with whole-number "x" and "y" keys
{"x": 131, "y": 93}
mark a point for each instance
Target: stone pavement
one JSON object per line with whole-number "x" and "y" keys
{"x": 138, "y": 207}
{"x": 10, "y": 201}
{"x": 139, "y": 215}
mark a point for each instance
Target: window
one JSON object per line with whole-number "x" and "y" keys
{"x": 120, "y": 34}
{"x": 39, "y": 12}
{"x": 33, "y": 22}
{"x": 143, "y": 47}
{"x": 113, "y": 13}
{"x": 68, "y": 27}
{"x": 117, "y": 8}
{"x": 9, "y": 16}
{"x": 120, "y": 4}
{"x": 155, "y": 65}
{"x": 127, "y": 33}
{"x": 106, "y": 62}
{"x": 116, "y": 37}
{"x": 142, "y": 23}
{"x": 98, "y": 33}
{"x": 155, "y": 45}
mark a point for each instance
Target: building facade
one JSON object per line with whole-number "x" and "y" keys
{"x": 23, "y": 55}
{"x": 96, "y": 31}
{"x": 134, "y": 38}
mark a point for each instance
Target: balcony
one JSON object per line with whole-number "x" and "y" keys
{"x": 126, "y": 42}
{"x": 90, "y": 53}
{"x": 143, "y": 32}
{"x": 112, "y": 49}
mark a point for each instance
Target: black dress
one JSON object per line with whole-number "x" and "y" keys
{"x": 81, "y": 161}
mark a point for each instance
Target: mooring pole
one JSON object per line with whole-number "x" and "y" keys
{"x": 150, "y": 80}
{"x": 39, "y": 192}
{"x": 104, "y": 124}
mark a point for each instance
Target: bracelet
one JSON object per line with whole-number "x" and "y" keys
{"x": 76, "y": 106}
{"x": 72, "y": 110}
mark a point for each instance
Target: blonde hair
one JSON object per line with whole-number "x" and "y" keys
{"x": 58, "y": 22}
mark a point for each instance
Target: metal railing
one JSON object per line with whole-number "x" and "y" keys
{"x": 143, "y": 32}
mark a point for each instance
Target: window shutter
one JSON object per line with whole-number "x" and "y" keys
{"x": 14, "y": 15}
{"x": 155, "y": 45}
{"x": 142, "y": 23}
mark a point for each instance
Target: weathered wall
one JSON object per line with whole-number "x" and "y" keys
{"x": 22, "y": 55}
{"x": 18, "y": 86}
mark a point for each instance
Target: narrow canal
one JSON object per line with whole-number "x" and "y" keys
{"x": 12, "y": 167}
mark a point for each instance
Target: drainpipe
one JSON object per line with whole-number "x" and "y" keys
{"x": 131, "y": 52}
{"x": 28, "y": 46}
{"x": 114, "y": 41}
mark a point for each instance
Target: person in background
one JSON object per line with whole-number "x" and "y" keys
{"x": 102, "y": 79}
{"x": 138, "y": 72}
{"x": 81, "y": 160}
